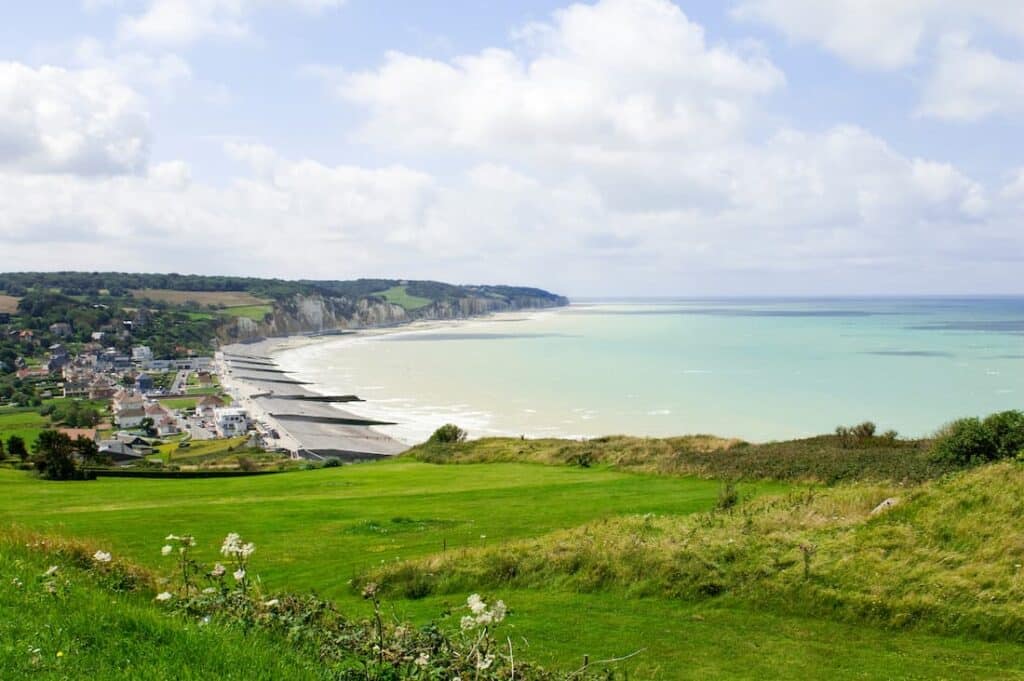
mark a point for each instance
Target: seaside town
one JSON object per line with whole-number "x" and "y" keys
{"x": 139, "y": 409}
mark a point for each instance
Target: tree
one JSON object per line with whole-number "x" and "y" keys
{"x": 54, "y": 456}
{"x": 448, "y": 433}
{"x": 16, "y": 447}
{"x": 149, "y": 426}
{"x": 86, "y": 450}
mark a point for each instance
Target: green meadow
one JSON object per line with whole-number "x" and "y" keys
{"x": 323, "y": 529}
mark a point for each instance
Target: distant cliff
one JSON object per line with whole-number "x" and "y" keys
{"x": 311, "y": 313}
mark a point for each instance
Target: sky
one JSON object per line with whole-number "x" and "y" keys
{"x": 606, "y": 147}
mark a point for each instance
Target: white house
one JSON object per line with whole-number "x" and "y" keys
{"x": 141, "y": 353}
{"x": 231, "y": 421}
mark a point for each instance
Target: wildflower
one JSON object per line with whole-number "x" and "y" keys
{"x": 164, "y": 596}
{"x": 247, "y": 550}
{"x": 51, "y": 587}
{"x": 423, "y": 660}
{"x": 239, "y": 575}
{"x": 101, "y": 557}
{"x": 17, "y": 583}
{"x": 172, "y": 537}
{"x": 467, "y": 623}
{"x": 52, "y": 571}
{"x": 60, "y": 653}
{"x": 209, "y": 590}
{"x": 370, "y": 590}
{"x": 476, "y": 604}
{"x": 166, "y": 550}
{"x": 272, "y": 603}
{"x": 231, "y": 545}
{"x": 218, "y": 570}
{"x": 485, "y": 662}
{"x": 499, "y": 611}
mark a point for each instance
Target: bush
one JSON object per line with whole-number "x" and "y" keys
{"x": 972, "y": 441}
{"x": 448, "y": 434}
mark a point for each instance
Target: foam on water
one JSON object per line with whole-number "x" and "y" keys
{"x": 757, "y": 369}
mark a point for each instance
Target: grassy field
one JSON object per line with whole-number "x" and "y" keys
{"x": 25, "y": 424}
{"x": 253, "y": 312}
{"x": 8, "y": 304}
{"x": 180, "y": 402}
{"x": 400, "y": 296}
{"x": 82, "y": 630}
{"x": 321, "y": 529}
{"x": 225, "y": 298}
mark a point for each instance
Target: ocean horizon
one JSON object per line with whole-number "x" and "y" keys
{"x": 756, "y": 368}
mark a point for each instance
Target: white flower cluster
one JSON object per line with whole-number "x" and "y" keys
{"x": 101, "y": 557}
{"x": 164, "y": 596}
{"x": 233, "y": 547}
{"x": 482, "y": 616}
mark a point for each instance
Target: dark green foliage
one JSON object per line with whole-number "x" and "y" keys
{"x": 72, "y": 413}
{"x": 971, "y": 441}
{"x": 448, "y": 434}
{"x": 16, "y": 447}
{"x": 54, "y": 456}
{"x": 860, "y": 433}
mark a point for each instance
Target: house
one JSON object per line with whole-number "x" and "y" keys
{"x": 206, "y": 406}
{"x": 74, "y": 433}
{"x": 231, "y": 421}
{"x": 119, "y": 452}
{"x": 97, "y": 336}
{"x": 32, "y": 372}
{"x": 129, "y": 410}
{"x": 55, "y": 364}
{"x": 76, "y": 387}
{"x": 144, "y": 383}
{"x": 101, "y": 389}
{"x": 167, "y": 425}
{"x": 60, "y": 329}
{"x": 141, "y": 354}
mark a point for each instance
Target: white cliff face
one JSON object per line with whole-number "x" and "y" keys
{"x": 310, "y": 313}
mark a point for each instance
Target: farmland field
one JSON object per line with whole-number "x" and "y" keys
{"x": 225, "y": 298}
{"x": 25, "y": 424}
{"x": 8, "y": 304}
{"x": 253, "y": 312}
{"x": 320, "y": 529}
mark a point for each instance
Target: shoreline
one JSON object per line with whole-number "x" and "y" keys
{"x": 260, "y": 385}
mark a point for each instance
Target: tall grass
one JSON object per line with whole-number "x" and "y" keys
{"x": 947, "y": 558}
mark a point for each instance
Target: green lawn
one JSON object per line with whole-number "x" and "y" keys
{"x": 180, "y": 402}
{"x": 253, "y": 312}
{"x": 400, "y": 296}
{"x": 318, "y": 529}
{"x": 25, "y": 424}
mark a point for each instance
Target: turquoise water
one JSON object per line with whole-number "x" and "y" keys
{"x": 757, "y": 369}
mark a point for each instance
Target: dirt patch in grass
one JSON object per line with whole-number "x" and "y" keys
{"x": 8, "y": 304}
{"x": 225, "y": 298}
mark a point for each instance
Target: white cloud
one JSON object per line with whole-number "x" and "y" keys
{"x": 970, "y": 83}
{"x": 617, "y": 74}
{"x": 58, "y": 120}
{"x": 882, "y": 34}
{"x": 185, "y": 21}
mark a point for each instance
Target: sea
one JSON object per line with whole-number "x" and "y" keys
{"x": 759, "y": 369}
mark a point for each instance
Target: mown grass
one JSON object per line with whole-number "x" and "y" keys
{"x": 253, "y": 312}
{"x": 25, "y": 424}
{"x": 400, "y": 296}
{"x": 78, "y": 628}
{"x": 180, "y": 402}
{"x": 818, "y": 459}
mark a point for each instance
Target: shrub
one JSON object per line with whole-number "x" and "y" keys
{"x": 972, "y": 441}
{"x": 728, "y": 496}
{"x": 448, "y": 434}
